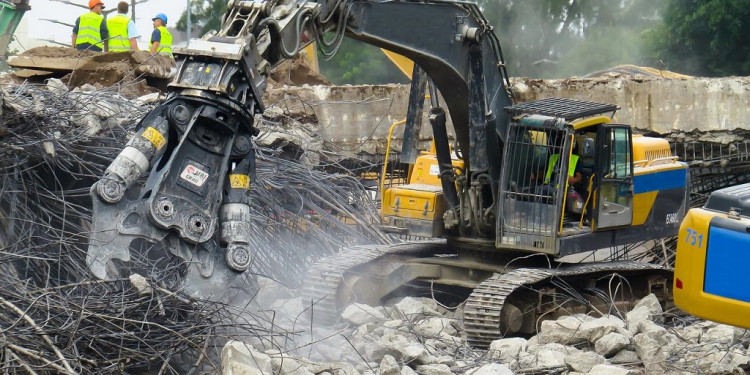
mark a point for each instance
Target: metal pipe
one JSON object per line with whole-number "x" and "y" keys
{"x": 387, "y": 152}
{"x": 189, "y": 26}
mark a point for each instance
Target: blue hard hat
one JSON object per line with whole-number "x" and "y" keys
{"x": 160, "y": 16}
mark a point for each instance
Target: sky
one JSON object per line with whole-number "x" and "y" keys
{"x": 49, "y": 9}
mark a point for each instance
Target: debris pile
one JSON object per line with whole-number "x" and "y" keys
{"x": 54, "y": 144}
{"x": 132, "y": 73}
{"x": 295, "y": 72}
{"x": 419, "y": 336}
{"x": 54, "y": 325}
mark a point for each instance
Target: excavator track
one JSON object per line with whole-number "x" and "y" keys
{"x": 483, "y": 312}
{"x": 328, "y": 286}
{"x": 323, "y": 281}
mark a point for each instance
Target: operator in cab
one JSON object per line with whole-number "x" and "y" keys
{"x": 575, "y": 172}
{"x": 574, "y": 201}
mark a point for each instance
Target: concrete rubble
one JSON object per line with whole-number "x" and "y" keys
{"x": 417, "y": 335}
{"x": 131, "y": 74}
{"x": 308, "y": 116}
{"x": 683, "y": 110}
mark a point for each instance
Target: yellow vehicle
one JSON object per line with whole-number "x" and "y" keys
{"x": 523, "y": 184}
{"x": 632, "y": 186}
{"x": 713, "y": 258}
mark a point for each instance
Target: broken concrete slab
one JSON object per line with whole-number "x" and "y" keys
{"x": 239, "y": 358}
{"x": 389, "y": 366}
{"x": 611, "y": 343}
{"x": 507, "y": 350}
{"x": 491, "y": 369}
{"x": 612, "y": 370}
{"x": 358, "y": 314}
{"x": 583, "y": 361}
{"x": 436, "y": 327}
{"x": 29, "y": 73}
{"x": 434, "y": 370}
{"x": 68, "y": 59}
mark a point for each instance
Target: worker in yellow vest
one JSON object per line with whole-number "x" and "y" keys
{"x": 574, "y": 169}
{"x": 161, "y": 39}
{"x": 575, "y": 192}
{"x": 122, "y": 31}
{"x": 90, "y": 31}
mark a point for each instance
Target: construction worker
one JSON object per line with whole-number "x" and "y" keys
{"x": 574, "y": 202}
{"x": 122, "y": 31}
{"x": 161, "y": 39}
{"x": 90, "y": 30}
{"x": 575, "y": 172}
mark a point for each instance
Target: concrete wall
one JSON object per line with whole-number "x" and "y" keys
{"x": 711, "y": 109}
{"x": 663, "y": 106}
{"x": 355, "y": 118}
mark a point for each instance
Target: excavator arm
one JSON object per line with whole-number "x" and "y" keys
{"x": 183, "y": 180}
{"x": 450, "y": 41}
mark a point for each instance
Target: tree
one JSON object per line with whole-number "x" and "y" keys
{"x": 359, "y": 63}
{"x": 706, "y": 37}
{"x": 355, "y": 63}
{"x": 559, "y": 38}
{"x": 205, "y": 14}
{"x": 541, "y": 38}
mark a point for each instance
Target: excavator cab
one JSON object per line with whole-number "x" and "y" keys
{"x": 532, "y": 191}
{"x": 627, "y": 188}
{"x": 546, "y": 145}
{"x": 614, "y": 201}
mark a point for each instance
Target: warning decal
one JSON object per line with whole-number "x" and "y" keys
{"x": 239, "y": 181}
{"x": 154, "y": 137}
{"x": 194, "y": 175}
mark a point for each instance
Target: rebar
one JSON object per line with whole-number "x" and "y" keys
{"x": 55, "y": 318}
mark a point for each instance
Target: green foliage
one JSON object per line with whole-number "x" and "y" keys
{"x": 704, "y": 37}
{"x": 359, "y": 63}
{"x": 559, "y": 38}
{"x": 540, "y": 38}
{"x": 355, "y": 62}
{"x": 205, "y": 15}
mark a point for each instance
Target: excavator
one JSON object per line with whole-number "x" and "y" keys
{"x": 492, "y": 216}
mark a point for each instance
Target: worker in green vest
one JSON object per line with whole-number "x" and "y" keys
{"x": 574, "y": 203}
{"x": 90, "y": 31}
{"x": 161, "y": 39}
{"x": 122, "y": 31}
{"x": 575, "y": 172}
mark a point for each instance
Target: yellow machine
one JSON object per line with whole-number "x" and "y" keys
{"x": 417, "y": 208}
{"x": 713, "y": 258}
{"x": 495, "y": 198}
{"x": 641, "y": 189}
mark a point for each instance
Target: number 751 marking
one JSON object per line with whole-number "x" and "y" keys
{"x": 693, "y": 238}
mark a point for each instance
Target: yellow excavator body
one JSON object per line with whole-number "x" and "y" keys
{"x": 713, "y": 258}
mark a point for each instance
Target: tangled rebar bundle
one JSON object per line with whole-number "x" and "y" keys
{"x": 54, "y": 144}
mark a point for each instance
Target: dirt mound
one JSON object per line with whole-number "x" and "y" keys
{"x": 134, "y": 73}
{"x": 296, "y": 72}
{"x": 57, "y": 52}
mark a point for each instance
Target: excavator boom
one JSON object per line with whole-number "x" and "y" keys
{"x": 193, "y": 200}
